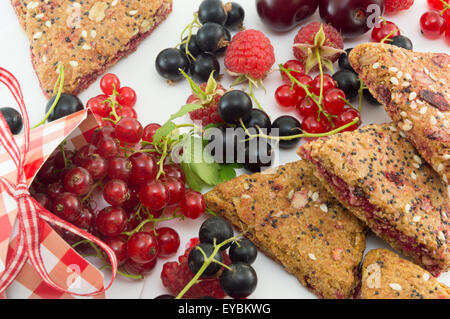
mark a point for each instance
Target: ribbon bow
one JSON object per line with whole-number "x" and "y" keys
{"x": 29, "y": 210}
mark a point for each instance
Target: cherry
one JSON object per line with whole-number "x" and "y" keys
{"x": 307, "y": 107}
{"x": 285, "y": 96}
{"x": 111, "y": 221}
{"x": 127, "y": 97}
{"x": 109, "y": 83}
{"x": 153, "y": 195}
{"x": 119, "y": 167}
{"x": 139, "y": 269}
{"x": 386, "y": 29}
{"x": 129, "y": 130}
{"x": 328, "y": 83}
{"x": 142, "y": 247}
{"x": 149, "y": 131}
{"x": 85, "y": 220}
{"x": 143, "y": 168}
{"x": 119, "y": 245}
{"x": 433, "y": 24}
{"x": 108, "y": 147}
{"x": 175, "y": 189}
{"x": 67, "y": 206}
{"x": 84, "y": 153}
{"x": 96, "y": 166}
{"x": 175, "y": 171}
{"x": 296, "y": 68}
{"x": 115, "y": 192}
{"x": 311, "y": 125}
{"x": 168, "y": 241}
{"x": 127, "y": 112}
{"x": 101, "y": 132}
{"x": 78, "y": 181}
{"x": 98, "y": 107}
{"x": 193, "y": 204}
{"x": 347, "y": 117}
{"x": 333, "y": 101}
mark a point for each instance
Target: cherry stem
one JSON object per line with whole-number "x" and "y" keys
{"x": 60, "y": 82}
{"x": 206, "y": 263}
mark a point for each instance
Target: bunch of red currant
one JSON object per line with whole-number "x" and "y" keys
{"x": 122, "y": 167}
{"x": 319, "y": 102}
{"x": 436, "y": 22}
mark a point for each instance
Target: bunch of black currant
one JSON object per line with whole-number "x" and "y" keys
{"x": 197, "y": 53}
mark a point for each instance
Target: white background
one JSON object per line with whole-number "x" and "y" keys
{"x": 157, "y": 100}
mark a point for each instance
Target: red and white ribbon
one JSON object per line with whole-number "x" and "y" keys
{"x": 29, "y": 210}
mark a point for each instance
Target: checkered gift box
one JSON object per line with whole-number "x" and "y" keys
{"x": 35, "y": 262}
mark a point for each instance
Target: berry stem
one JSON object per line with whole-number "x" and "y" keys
{"x": 124, "y": 274}
{"x": 151, "y": 219}
{"x": 88, "y": 195}
{"x": 387, "y": 38}
{"x": 362, "y": 87}
{"x": 194, "y": 24}
{"x": 252, "y": 95}
{"x": 60, "y": 84}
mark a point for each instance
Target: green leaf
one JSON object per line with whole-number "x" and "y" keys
{"x": 192, "y": 180}
{"x": 185, "y": 109}
{"x": 211, "y": 85}
{"x": 227, "y": 172}
{"x": 164, "y": 130}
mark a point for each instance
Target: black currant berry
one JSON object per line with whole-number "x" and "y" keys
{"x": 202, "y": 67}
{"x": 287, "y": 126}
{"x": 13, "y": 118}
{"x": 196, "y": 259}
{"x": 165, "y": 297}
{"x": 227, "y": 41}
{"x": 402, "y": 42}
{"x": 348, "y": 82}
{"x": 67, "y": 104}
{"x": 234, "y": 106}
{"x": 370, "y": 98}
{"x": 243, "y": 251}
{"x": 226, "y": 144}
{"x": 239, "y": 282}
{"x": 211, "y": 37}
{"x": 215, "y": 229}
{"x": 259, "y": 119}
{"x": 236, "y": 15}
{"x": 169, "y": 61}
{"x": 193, "y": 47}
{"x": 258, "y": 155}
{"x": 212, "y": 11}
{"x": 344, "y": 63}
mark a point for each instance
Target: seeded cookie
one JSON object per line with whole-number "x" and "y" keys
{"x": 296, "y": 222}
{"x": 387, "y": 276}
{"x": 415, "y": 90}
{"x": 379, "y": 176}
{"x": 87, "y": 36}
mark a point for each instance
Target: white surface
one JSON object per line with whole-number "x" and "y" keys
{"x": 157, "y": 100}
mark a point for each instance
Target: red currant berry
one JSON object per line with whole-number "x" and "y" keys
{"x": 108, "y": 147}
{"x": 101, "y": 132}
{"x": 168, "y": 240}
{"x": 139, "y": 269}
{"x": 111, "y": 221}
{"x": 119, "y": 245}
{"x": 85, "y": 220}
{"x": 174, "y": 170}
{"x": 142, "y": 247}
{"x": 285, "y": 96}
{"x": 437, "y": 4}
{"x": 311, "y": 125}
{"x": 333, "y": 101}
{"x": 127, "y": 112}
{"x": 143, "y": 168}
{"x": 55, "y": 189}
{"x": 133, "y": 199}
{"x": 61, "y": 159}
{"x": 78, "y": 181}
{"x": 447, "y": 35}
{"x": 305, "y": 80}
{"x": 109, "y": 83}
{"x": 98, "y": 107}
{"x": 153, "y": 195}
{"x": 67, "y": 206}
{"x": 96, "y": 166}
{"x": 386, "y": 28}
{"x": 119, "y": 167}
{"x": 127, "y": 97}
{"x": 433, "y": 24}
{"x": 307, "y": 107}
{"x": 129, "y": 130}
{"x": 328, "y": 83}
{"x": 175, "y": 189}
{"x": 44, "y": 200}
{"x": 84, "y": 153}
{"x": 348, "y": 116}
{"x": 115, "y": 192}
{"x": 193, "y": 204}
{"x": 149, "y": 131}
{"x": 296, "y": 69}
{"x": 48, "y": 173}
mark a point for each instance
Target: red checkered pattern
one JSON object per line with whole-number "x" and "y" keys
{"x": 34, "y": 260}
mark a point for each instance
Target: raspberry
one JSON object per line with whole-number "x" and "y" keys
{"x": 398, "y": 5}
{"x": 250, "y": 54}
{"x": 317, "y": 36}
{"x": 175, "y": 276}
{"x": 208, "y": 114}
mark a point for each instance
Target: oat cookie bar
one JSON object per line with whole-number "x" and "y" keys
{"x": 295, "y": 221}
{"x": 87, "y": 36}
{"x": 379, "y": 176}
{"x": 385, "y": 275}
{"x": 415, "y": 90}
